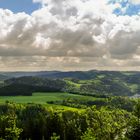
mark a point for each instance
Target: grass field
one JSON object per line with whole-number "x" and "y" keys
{"x": 42, "y": 98}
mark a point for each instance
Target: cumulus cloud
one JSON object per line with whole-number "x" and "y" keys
{"x": 74, "y": 35}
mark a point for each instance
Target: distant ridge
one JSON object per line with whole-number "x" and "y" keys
{"x": 68, "y": 74}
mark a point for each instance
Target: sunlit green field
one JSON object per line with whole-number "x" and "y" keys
{"x": 43, "y": 98}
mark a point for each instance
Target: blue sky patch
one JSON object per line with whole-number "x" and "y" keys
{"x": 16, "y": 6}
{"x": 127, "y": 8}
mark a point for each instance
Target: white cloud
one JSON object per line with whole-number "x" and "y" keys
{"x": 81, "y": 34}
{"x": 135, "y": 1}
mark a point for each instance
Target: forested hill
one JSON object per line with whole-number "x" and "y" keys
{"x": 90, "y": 83}
{"x": 82, "y": 75}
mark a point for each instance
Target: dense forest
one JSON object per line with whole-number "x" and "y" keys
{"x": 37, "y": 122}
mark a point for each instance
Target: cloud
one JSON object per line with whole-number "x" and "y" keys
{"x": 135, "y": 1}
{"x": 74, "y": 35}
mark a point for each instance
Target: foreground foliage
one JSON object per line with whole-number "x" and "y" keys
{"x": 38, "y": 122}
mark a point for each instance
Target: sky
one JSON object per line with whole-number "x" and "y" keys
{"x": 69, "y": 35}
{"x": 16, "y": 6}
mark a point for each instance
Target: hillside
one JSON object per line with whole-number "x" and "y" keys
{"x": 89, "y": 83}
{"x": 81, "y": 75}
{"x": 4, "y": 77}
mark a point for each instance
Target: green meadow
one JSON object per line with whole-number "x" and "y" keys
{"x": 43, "y": 98}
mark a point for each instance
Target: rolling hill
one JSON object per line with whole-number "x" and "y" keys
{"x": 79, "y": 82}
